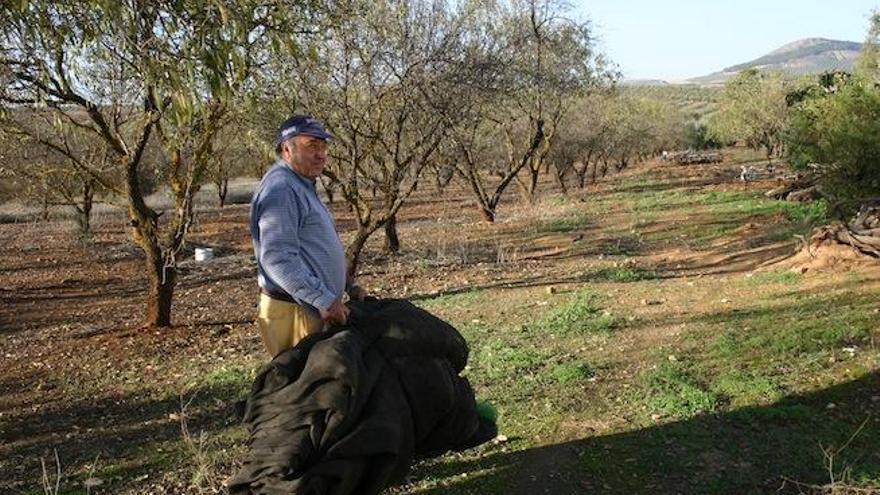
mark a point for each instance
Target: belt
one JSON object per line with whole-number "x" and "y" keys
{"x": 278, "y": 295}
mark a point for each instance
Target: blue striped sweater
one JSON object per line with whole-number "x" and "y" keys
{"x": 297, "y": 247}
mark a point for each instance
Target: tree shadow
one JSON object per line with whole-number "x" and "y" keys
{"x": 125, "y": 432}
{"x": 759, "y": 449}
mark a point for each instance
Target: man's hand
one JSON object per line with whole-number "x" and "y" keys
{"x": 336, "y": 313}
{"x": 357, "y": 293}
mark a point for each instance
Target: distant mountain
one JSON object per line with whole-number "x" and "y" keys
{"x": 806, "y": 56}
{"x": 645, "y": 82}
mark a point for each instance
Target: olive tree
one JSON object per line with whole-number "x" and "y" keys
{"x": 53, "y": 174}
{"x": 129, "y": 73}
{"x": 753, "y": 109}
{"x": 377, "y": 78}
{"x": 555, "y": 61}
{"x": 529, "y": 63}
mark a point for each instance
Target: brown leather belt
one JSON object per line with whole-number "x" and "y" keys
{"x": 278, "y": 295}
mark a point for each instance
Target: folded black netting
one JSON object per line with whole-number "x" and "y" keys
{"x": 346, "y": 411}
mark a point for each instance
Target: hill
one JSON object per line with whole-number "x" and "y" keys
{"x": 806, "y": 56}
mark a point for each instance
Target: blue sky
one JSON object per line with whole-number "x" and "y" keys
{"x": 678, "y": 39}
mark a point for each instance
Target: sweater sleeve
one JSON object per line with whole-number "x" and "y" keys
{"x": 280, "y": 220}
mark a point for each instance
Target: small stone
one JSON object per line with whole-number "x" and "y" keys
{"x": 875, "y": 398}
{"x": 725, "y": 301}
{"x": 501, "y": 438}
{"x": 672, "y": 358}
{"x": 831, "y": 405}
{"x": 655, "y": 417}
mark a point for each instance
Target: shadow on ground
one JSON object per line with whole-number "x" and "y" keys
{"x": 763, "y": 449}
{"x": 125, "y": 434}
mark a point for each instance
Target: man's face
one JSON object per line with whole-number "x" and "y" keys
{"x": 306, "y": 154}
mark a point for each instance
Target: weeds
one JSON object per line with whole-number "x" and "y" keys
{"x": 497, "y": 360}
{"x": 743, "y": 388}
{"x": 572, "y": 372}
{"x": 453, "y": 300}
{"x": 840, "y": 479}
{"x": 204, "y": 478}
{"x": 566, "y": 224}
{"x": 580, "y": 315}
{"x": 673, "y": 390}
{"x": 50, "y": 488}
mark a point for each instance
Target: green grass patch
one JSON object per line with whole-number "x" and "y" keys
{"x": 730, "y": 203}
{"x": 811, "y": 213}
{"x": 780, "y": 277}
{"x": 451, "y": 300}
{"x": 581, "y": 315}
{"x": 672, "y": 389}
{"x": 497, "y": 360}
{"x": 572, "y": 372}
{"x": 228, "y": 380}
{"x": 228, "y": 376}
{"x": 809, "y": 328}
{"x": 742, "y": 388}
{"x": 753, "y": 204}
{"x": 569, "y": 223}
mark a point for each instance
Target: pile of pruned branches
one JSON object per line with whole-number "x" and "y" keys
{"x": 799, "y": 187}
{"x": 693, "y": 157}
{"x": 862, "y": 233}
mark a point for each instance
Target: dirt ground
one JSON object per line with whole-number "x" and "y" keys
{"x": 79, "y": 375}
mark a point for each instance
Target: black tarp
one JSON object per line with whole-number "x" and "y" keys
{"x": 346, "y": 411}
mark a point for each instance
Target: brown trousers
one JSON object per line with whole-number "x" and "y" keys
{"x": 283, "y": 324}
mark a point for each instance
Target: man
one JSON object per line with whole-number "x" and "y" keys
{"x": 301, "y": 267}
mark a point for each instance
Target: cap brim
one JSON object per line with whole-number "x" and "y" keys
{"x": 317, "y": 134}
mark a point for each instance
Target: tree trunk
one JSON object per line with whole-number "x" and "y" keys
{"x": 222, "y": 190}
{"x": 560, "y": 180}
{"x": 353, "y": 253}
{"x": 533, "y": 183}
{"x": 392, "y": 241}
{"x": 438, "y": 184}
{"x": 523, "y": 189}
{"x": 44, "y": 207}
{"x": 329, "y": 189}
{"x": 488, "y": 213}
{"x": 161, "y": 291}
{"x": 84, "y": 211}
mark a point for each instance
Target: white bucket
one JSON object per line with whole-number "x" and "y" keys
{"x": 204, "y": 254}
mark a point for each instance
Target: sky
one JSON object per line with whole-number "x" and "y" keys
{"x": 680, "y": 39}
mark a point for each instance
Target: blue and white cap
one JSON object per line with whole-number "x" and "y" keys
{"x": 301, "y": 125}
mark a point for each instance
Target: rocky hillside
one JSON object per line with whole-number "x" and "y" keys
{"x": 806, "y": 56}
